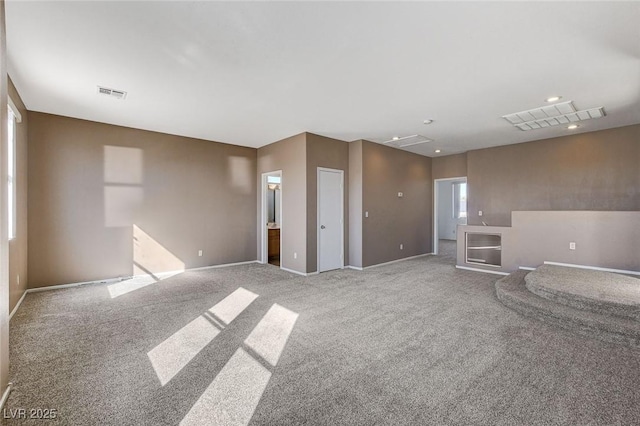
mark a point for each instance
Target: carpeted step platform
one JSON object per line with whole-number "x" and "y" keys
{"x": 512, "y": 291}
{"x": 596, "y": 291}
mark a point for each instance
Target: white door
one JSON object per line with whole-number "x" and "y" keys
{"x": 330, "y": 227}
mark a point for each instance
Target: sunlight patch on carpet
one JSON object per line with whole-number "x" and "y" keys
{"x": 173, "y": 354}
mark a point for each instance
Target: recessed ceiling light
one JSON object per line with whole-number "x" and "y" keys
{"x": 438, "y": 151}
{"x": 406, "y": 141}
{"x": 572, "y": 127}
{"x": 553, "y": 98}
{"x": 428, "y": 121}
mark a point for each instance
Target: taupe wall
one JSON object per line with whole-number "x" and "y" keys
{"x": 449, "y": 166}
{"x": 332, "y": 154}
{"x": 355, "y": 204}
{"x": 290, "y": 156}
{"x": 603, "y": 239}
{"x": 590, "y": 171}
{"x": 127, "y": 176}
{"x": 392, "y": 220}
{"x": 18, "y": 246}
{"x": 4, "y": 247}
{"x": 92, "y": 186}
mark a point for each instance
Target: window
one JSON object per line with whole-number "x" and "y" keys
{"x": 11, "y": 156}
{"x": 459, "y": 200}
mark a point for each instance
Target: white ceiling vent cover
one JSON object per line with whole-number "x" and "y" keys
{"x": 117, "y": 94}
{"x": 407, "y": 141}
{"x": 551, "y": 115}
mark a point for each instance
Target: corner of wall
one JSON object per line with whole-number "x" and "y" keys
{"x": 18, "y": 271}
{"x": 355, "y": 203}
{"x": 397, "y": 195}
{"x": 330, "y": 153}
{"x": 290, "y": 156}
{"x": 4, "y": 246}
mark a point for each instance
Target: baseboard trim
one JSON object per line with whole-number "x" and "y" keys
{"x": 304, "y": 274}
{"x": 120, "y": 279}
{"x": 526, "y": 268}
{"x": 15, "y": 308}
{"x": 223, "y": 265}
{"x": 63, "y": 286}
{"x": 357, "y": 268}
{"x": 595, "y": 268}
{"x": 5, "y": 395}
{"x": 396, "y": 261}
{"x": 467, "y": 268}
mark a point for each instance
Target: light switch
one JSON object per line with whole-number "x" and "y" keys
{"x": 366, "y": 214}
{"x": 572, "y": 246}
{"x": 400, "y": 195}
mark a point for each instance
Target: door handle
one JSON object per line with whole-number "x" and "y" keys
{"x": 322, "y": 226}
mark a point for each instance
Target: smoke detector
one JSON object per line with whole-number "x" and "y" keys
{"x": 117, "y": 94}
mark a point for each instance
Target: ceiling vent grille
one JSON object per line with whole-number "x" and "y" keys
{"x": 407, "y": 141}
{"x": 117, "y": 94}
{"x": 552, "y": 115}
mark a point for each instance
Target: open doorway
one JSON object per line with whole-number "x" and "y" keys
{"x": 271, "y": 225}
{"x": 449, "y": 211}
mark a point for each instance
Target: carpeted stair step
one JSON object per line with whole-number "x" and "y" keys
{"x": 596, "y": 291}
{"x": 512, "y": 292}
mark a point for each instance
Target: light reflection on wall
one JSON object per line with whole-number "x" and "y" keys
{"x": 151, "y": 257}
{"x": 123, "y": 190}
{"x": 123, "y": 165}
{"x": 152, "y": 262}
{"x": 241, "y": 174}
{"x": 121, "y": 204}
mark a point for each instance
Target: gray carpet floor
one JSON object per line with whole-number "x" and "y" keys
{"x": 415, "y": 342}
{"x": 447, "y": 248}
{"x": 586, "y": 289}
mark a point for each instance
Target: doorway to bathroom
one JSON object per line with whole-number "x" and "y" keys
{"x": 271, "y": 226}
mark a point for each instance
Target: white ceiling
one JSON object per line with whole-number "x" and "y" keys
{"x": 254, "y": 73}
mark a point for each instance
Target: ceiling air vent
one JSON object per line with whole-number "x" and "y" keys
{"x": 552, "y": 115}
{"x": 117, "y": 94}
{"x": 407, "y": 141}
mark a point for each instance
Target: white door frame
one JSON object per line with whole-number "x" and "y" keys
{"x": 264, "y": 232}
{"x": 325, "y": 169}
{"x": 435, "y": 207}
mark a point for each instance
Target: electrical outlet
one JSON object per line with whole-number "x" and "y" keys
{"x": 400, "y": 195}
{"x": 295, "y": 255}
{"x": 572, "y": 246}
{"x": 479, "y": 212}
{"x": 401, "y": 246}
{"x": 200, "y": 253}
